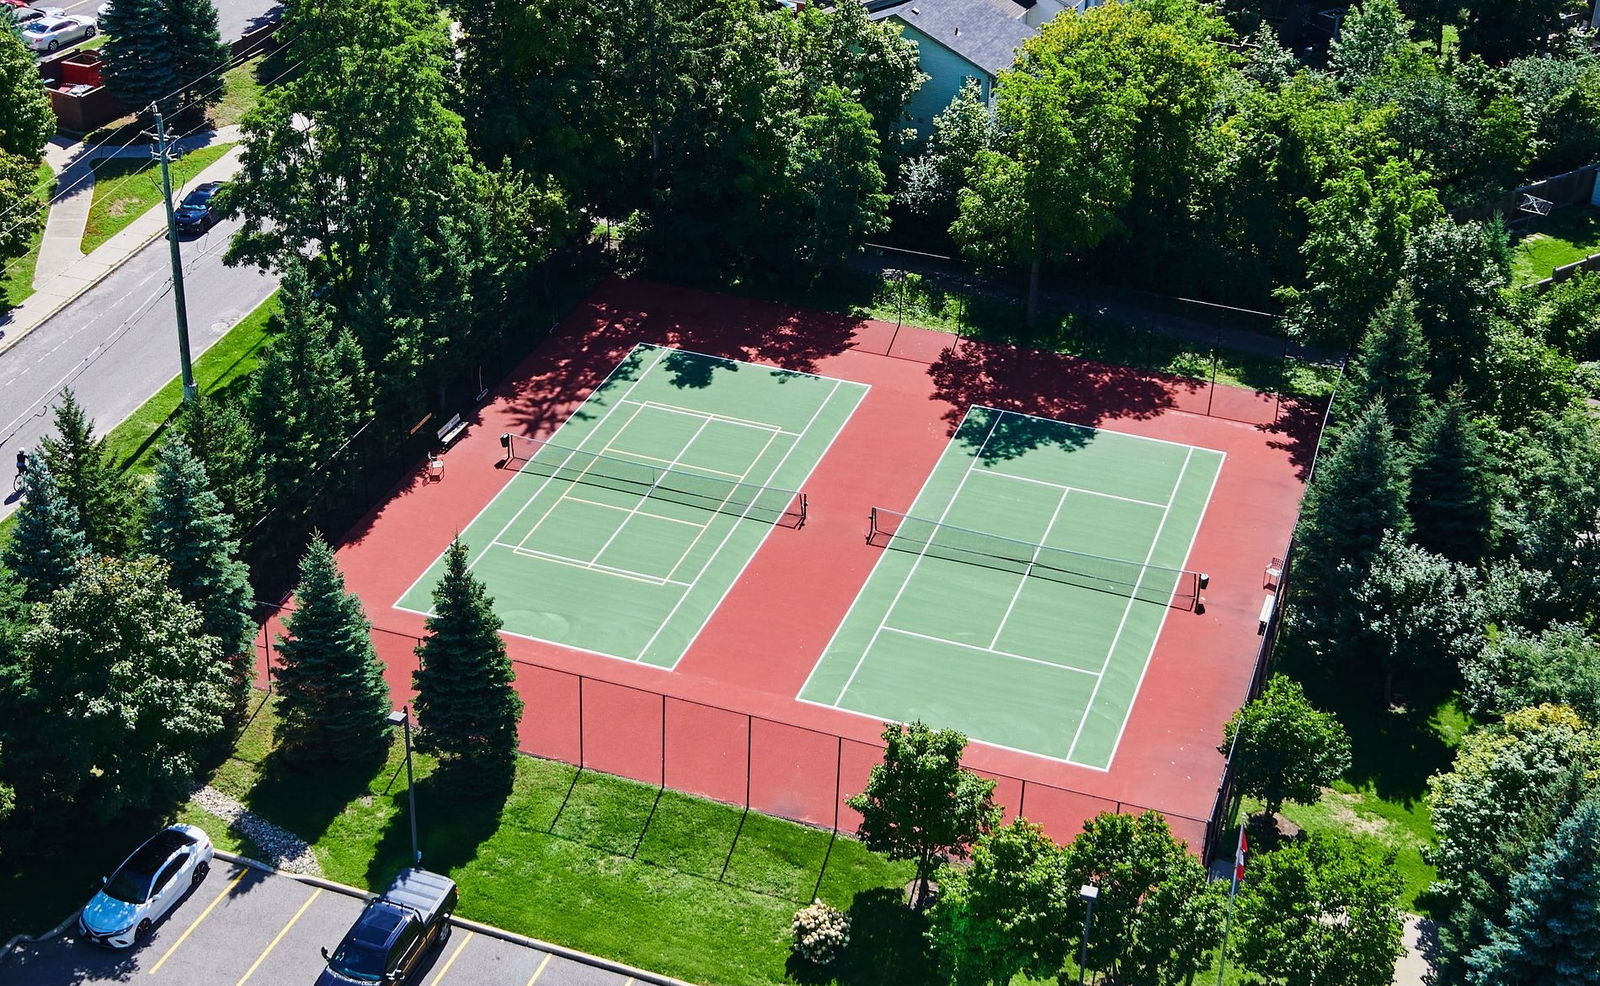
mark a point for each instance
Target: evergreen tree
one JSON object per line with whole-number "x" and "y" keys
{"x": 1552, "y": 933}
{"x": 1456, "y": 272}
{"x": 140, "y": 65}
{"x": 1392, "y": 363}
{"x": 105, "y": 499}
{"x": 1357, "y": 494}
{"x": 187, "y": 527}
{"x": 219, "y": 434}
{"x": 332, "y": 700}
{"x": 467, "y": 705}
{"x": 48, "y": 543}
{"x": 1451, "y": 499}
{"x": 198, "y": 52}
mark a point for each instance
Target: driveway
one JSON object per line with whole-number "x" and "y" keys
{"x": 243, "y": 925}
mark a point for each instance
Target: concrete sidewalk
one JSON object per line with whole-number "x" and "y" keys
{"x": 64, "y": 272}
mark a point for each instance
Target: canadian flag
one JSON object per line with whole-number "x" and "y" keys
{"x": 1238, "y": 857}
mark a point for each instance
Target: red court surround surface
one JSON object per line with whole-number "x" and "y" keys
{"x": 726, "y": 723}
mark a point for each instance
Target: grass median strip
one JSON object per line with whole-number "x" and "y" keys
{"x": 125, "y": 188}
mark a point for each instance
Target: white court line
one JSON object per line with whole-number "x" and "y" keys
{"x": 989, "y": 650}
{"x": 1028, "y": 572}
{"x": 1222, "y": 459}
{"x": 642, "y": 513}
{"x": 1128, "y": 609}
{"x": 862, "y": 592}
{"x": 513, "y": 481}
{"x": 646, "y": 495}
{"x": 1090, "y": 428}
{"x": 587, "y": 566}
{"x": 735, "y": 526}
{"x": 1002, "y": 474}
{"x": 714, "y": 416}
{"x": 647, "y": 459}
{"x": 568, "y": 483}
{"x": 742, "y": 480}
{"x": 916, "y": 562}
{"x": 742, "y": 362}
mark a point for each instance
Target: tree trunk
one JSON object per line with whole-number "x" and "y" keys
{"x": 1031, "y": 319}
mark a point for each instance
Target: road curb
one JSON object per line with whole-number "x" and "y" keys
{"x": 5, "y": 950}
{"x": 489, "y": 931}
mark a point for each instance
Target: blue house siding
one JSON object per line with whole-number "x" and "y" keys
{"x": 946, "y": 72}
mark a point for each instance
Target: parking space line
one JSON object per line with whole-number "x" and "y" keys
{"x": 203, "y": 915}
{"x": 452, "y": 960}
{"x": 539, "y": 971}
{"x": 277, "y": 938}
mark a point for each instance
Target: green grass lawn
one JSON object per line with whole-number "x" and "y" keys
{"x": 923, "y": 302}
{"x": 677, "y": 884}
{"x": 126, "y": 188}
{"x": 16, "y": 284}
{"x": 1563, "y": 237}
{"x": 247, "y": 81}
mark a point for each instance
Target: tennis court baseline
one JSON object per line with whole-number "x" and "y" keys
{"x": 622, "y": 533}
{"x": 1020, "y": 597}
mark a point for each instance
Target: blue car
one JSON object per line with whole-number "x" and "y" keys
{"x": 146, "y": 886}
{"x": 194, "y": 214}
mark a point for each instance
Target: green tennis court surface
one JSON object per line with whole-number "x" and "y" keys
{"x": 621, "y": 534}
{"x": 1020, "y": 597}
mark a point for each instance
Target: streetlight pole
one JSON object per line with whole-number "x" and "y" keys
{"x": 402, "y": 717}
{"x": 1088, "y": 893}
{"x": 164, "y": 153}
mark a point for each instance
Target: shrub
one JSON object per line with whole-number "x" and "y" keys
{"x": 821, "y": 933}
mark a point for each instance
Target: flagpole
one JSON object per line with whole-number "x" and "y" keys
{"x": 1233, "y": 890}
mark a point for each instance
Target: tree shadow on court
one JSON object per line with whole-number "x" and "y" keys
{"x": 1044, "y": 384}
{"x": 305, "y": 795}
{"x": 459, "y": 807}
{"x": 1299, "y": 427}
{"x": 693, "y": 371}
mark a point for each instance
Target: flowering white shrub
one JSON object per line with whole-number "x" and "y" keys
{"x": 821, "y": 933}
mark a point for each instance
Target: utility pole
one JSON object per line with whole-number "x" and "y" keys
{"x": 164, "y": 153}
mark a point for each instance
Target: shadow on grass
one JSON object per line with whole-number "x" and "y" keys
{"x": 888, "y": 942}
{"x": 306, "y": 796}
{"x": 458, "y": 809}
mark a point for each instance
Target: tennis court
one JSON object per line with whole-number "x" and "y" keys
{"x": 1020, "y": 597}
{"x": 621, "y": 533}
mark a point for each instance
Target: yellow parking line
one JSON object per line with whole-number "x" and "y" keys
{"x": 452, "y": 960}
{"x": 539, "y": 971}
{"x": 203, "y": 914}
{"x": 278, "y": 938}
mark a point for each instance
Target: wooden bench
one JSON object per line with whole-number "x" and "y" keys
{"x": 451, "y": 430}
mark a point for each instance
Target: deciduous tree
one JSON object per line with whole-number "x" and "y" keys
{"x": 1421, "y": 615}
{"x": 1285, "y": 749}
{"x": 921, "y": 804}
{"x": 333, "y": 703}
{"x": 1514, "y": 669}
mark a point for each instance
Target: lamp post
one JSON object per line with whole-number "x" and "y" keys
{"x": 1088, "y": 893}
{"x": 402, "y": 717}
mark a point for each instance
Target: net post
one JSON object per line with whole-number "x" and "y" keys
{"x": 805, "y": 506}
{"x": 872, "y": 524}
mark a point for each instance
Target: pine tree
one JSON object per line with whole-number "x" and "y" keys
{"x": 188, "y": 528}
{"x": 104, "y": 498}
{"x": 1552, "y": 933}
{"x": 1452, "y": 499}
{"x": 48, "y": 544}
{"x": 332, "y": 700}
{"x": 198, "y": 52}
{"x": 1392, "y": 363}
{"x": 1358, "y": 493}
{"x": 219, "y": 434}
{"x": 467, "y": 707}
{"x": 140, "y": 65}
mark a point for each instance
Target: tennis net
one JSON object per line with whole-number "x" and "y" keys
{"x": 670, "y": 483}
{"x": 1151, "y": 583}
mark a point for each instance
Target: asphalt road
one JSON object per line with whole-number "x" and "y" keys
{"x": 242, "y": 926}
{"x": 117, "y": 343}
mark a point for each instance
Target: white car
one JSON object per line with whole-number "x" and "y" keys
{"x": 50, "y": 33}
{"x": 146, "y": 886}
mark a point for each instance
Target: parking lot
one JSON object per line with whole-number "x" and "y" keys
{"x": 242, "y": 925}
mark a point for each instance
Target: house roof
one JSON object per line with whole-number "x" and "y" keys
{"x": 986, "y": 33}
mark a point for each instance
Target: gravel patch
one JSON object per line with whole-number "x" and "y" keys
{"x": 282, "y": 848}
